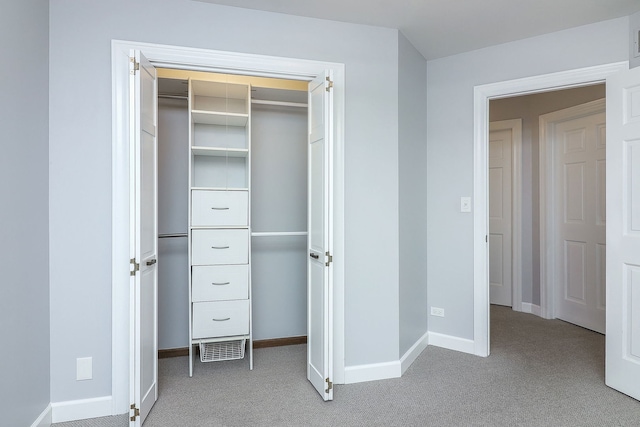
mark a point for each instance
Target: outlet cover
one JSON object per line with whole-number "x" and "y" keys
{"x": 84, "y": 368}
{"x": 437, "y": 311}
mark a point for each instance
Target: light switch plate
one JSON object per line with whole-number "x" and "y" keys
{"x": 465, "y": 204}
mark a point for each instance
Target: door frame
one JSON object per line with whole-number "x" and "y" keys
{"x": 481, "y": 96}
{"x": 222, "y": 62}
{"x": 548, "y": 241}
{"x": 515, "y": 125}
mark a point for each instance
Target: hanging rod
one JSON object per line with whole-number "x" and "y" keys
{"x": 165, "y": 236}
{"x": 173, "y": 96}
{"x": 278, "y": 233}
{"x": 280, "y": 103}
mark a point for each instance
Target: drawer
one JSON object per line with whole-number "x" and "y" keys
{"x": 220, "y": 319}
{"x": 220, "y": 282}
{"x": 211, "y": 247}
{"x": 219, "y": 208}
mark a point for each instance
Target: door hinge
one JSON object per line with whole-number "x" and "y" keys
{"x": 486, "y": 238}
{"x": 329, "y": 259}
{"x": 135, "y": 65}
{"x": 329, "y": 385}
{"x": 135, "y": 267}
{"x": 136, "y": 412}
{"x": 329, "y": 84}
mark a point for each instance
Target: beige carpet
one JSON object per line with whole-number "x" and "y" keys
{"x": 540, "y": 373}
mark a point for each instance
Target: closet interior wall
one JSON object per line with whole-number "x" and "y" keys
{"x": 278, "y": 204}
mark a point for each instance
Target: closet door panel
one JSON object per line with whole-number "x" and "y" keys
{"x": 224, "y": 282}
{"x": 219, "y": 208}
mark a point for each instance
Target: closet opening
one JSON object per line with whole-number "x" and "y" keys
{"x": 242, "y": 142}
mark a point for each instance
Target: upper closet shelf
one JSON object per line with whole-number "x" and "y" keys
{"x": 219, "y": 118}
{"x": 219, "y": 151}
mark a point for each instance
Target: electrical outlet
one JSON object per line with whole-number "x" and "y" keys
{"x": 465, "y": 204}
{"x": 437, "y": 311}
{"x": 84, "y": 368}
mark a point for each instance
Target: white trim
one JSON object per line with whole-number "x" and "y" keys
{"x": 548, "y": 243}
{"x": 527, "y": 307}
{"x": 452, "y": 343}
{"x": 44, "y": 420}
{"x": 515, "y": 125}
{"x": 412, "y": 354}
{"x": 73, "y": 410}
{"x": 219, "y": 61}
{"x": 372, "y": 372}
{"x": 481, "y": 96}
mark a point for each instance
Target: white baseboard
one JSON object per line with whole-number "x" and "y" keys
{"x": 372, "y": 372}
{"x": 452, "y": 343}
{"x": 44, "y": 420}
{"x": 531, "y": 308}
{"x": 412, "y": 354}
{"x": 73, "y": 410}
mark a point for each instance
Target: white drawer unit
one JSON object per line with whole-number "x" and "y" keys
{"x": 219, "y": 208}
{"x": 219, "y": 282}
{"x": 220, "y": 319}
{"x": 220, "y": 219}
{"x": 218, "y": 247}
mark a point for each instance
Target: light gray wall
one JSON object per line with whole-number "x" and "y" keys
{"x": 80, "y": 169}
{"x": 450, "y": 83}
{"x": 412, "y": 153}
{"x": 24, "y": 217}
{"x": 529, "y": 108}
{"x": 173, "y": 211}
{"x": 634, "y": 27}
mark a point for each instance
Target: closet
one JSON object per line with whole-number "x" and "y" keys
{"x": 232, "y": 212}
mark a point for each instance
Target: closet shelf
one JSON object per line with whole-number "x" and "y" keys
{"x": 221, "y": 188}
{"x": 219, "y": 118}
{"x": 219, "y": 151}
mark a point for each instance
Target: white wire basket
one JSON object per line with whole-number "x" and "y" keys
{"x": 223, "y": 350}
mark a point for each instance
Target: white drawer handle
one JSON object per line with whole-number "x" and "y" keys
{"x": 221, "y": 320}
{"x": 219, "y": 247}
{"x": 220, "y": 284}
{"x": 220, "y": 209}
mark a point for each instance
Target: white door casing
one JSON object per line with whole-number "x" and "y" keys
{"x": 573, "y": 143}
{"x": 123, "y": 194}
{"x": 319, "y": 277}
{"x": 482, "y": 95}
{"x": 144, "y": 336}
{"x": 622, "y": 370}
{"x": 500, "y": 214}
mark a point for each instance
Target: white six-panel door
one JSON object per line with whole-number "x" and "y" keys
{"x": 623, "y": 233}
{"x": 500, "y": 214}
{"x": 144, "y": 364}
{"x": 320, "y": 284}
{"x": 579, "y": 215}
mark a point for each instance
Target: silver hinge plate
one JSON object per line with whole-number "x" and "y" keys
{"x": 329, "y": 84}
{"x": 329, "y": 385}
{"x": 329, "y": 259}
{"x": 135, "y": 267}
{"x": 135, "y": 65}
{"x": 135, "y": 413}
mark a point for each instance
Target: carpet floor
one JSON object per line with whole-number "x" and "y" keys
{"x": 540, "y": 373}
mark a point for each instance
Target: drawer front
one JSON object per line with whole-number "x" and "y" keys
{"x": 214, "y": 247}
{"x": 220, "y": 319}
{"x": 219, "y": 208}
{"x": 219, "y": 283}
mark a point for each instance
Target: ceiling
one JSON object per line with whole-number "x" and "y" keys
{"x": 439, "y": 28}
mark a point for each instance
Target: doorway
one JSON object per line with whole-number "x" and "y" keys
{"x": 206, "y": 60}
{"x": 482, "y": 96}
{"x": 529, "y": 214}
